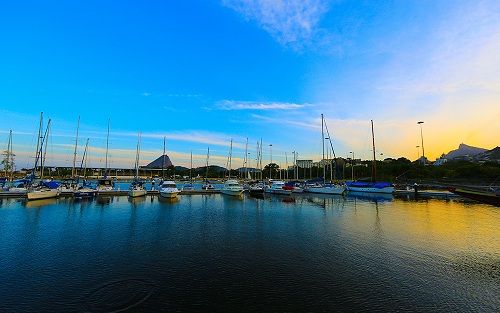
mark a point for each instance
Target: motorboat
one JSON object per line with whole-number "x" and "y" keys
{"x": 295, "y": 187}
{"x": 277, "y": 187}
{"x": 168, "y": 189}
{"x": 137, "y": 189}
{"x": 371, "y": 187}
{"x": 328, "y": 188}
{"x": 256, "y": 189}
{"x": 232, "y": 188}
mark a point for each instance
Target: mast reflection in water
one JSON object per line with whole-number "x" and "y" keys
{"x": 216, "y": 253}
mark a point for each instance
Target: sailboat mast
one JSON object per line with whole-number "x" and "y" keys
{"x": 260, "y": 159}
{"x": 137, "y": 157}
{"x": 11, "y": 156}
{"x": 107, "y": 147}
{"x": 230, "y": 156}
{"x": 208, "y": 155}
{"x": 374, "y": 164}
{"x": 84, "y": 157}
{"x": 246, "y": 159}
{"x": 191, "y": 166}
{"x": 45, "y": 141}
{"x": 163, "y": 160}
{"x": 323, "y": 146}
{"x": 73, "y": 174}
{"x": 286, "y": 164}
{"x": 38, "y": 144}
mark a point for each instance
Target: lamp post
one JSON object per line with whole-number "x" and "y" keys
{"x": 352, "y": 166}
{"x": 422, "y": 138}
{"x": 418, "y": 152}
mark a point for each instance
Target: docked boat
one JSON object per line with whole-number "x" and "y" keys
{"x": 84, "y": 192}
{"x": 277, "y": 187}
{"x": 330, "y": 189}
{"x": 372, "y": 187}
{"x": 105, "y": 184}
{"x": 295, "y": 187}
{"x": 46, "y": 190}
{"x": 188, "y": 187}
{"x": 256, "y": 189}
{"x": 137, "y": 187}
{"x": 168, "y": 189}
{"x": 232, "y": 188}
{"x": 207, "y": 186}
{"x": 489, "y": 197}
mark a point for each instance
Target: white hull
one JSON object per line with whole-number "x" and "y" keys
{"x": 168, "y": 194}
{"x": 42, "y": 194}
{"x": 297, "y": 190}
{"x": 137, "y": 193}
{"x": 338, "y": 190}
{"x": 230, "y": 192}
{"x": 385, "y": 190}
{"x": 278, "y": 191}
{"x": 17, "y": 191}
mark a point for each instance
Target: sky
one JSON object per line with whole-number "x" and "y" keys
{"x": 204, "y": 72}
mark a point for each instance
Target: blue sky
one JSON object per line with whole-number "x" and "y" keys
{"x": 203, "y": 72}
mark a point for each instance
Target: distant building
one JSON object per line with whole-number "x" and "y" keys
{"x": 304, "y": 163}
{"x": 157, "y": 163}
{"x": 441, "y": 160}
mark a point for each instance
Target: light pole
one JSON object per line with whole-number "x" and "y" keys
{"x": 422, "y": 137}
{"x": 418, "y": 152}
{"x": 352, "y": 166}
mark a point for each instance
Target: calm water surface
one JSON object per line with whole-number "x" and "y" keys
{"x": 217, "y": 253}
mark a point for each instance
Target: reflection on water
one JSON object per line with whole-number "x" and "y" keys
{"x": 221, "y": 253}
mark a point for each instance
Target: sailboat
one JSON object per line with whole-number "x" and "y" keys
{"x": 189, "y": 186}
{"x": 371, "y": 186}
{"x": 325, "y": 188}
{"x": 207, "y": 185}
{"x": 137, "y": 187}
{"x": 42, "y": 189}
{"x": 83, "y": 190}
{"x": 105, "y": 184}
{"x": 231, "y": 186}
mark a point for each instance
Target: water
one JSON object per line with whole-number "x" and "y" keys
{"x": 217, "y": 253}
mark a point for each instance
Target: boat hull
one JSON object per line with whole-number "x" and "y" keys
{"x": 137, "y": 193}
{"x": 326, "y": 190}
{"x": 234, "y": 193}
{"x": 278, "y": 191}
{"x": 480, "y": 196}
{"x": 168, "y": 194}
{"x": 386, "y": 190}
{"x": 45, "y": 194}
{"x": 84, "y": 194}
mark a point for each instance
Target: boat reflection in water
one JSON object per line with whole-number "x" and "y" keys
{"x": 370, "y": 196}
{"x": 39, "y": 203}
{"x": 168, "y": 200}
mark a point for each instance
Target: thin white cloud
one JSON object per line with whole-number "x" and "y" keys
{"x": 231, "y": 105}
{"x": 290, "y": 22}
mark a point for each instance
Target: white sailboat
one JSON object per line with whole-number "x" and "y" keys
{"x": 137, "y": 187}
{"x": 42, "y": 190}
{"x": 231, "y": 186}
{"x": 325, "y": 188}
{"x": 207, "y": 185}
{"x": 105, "y": 184}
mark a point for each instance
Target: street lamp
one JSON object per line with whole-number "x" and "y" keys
{"x": 422, "y": 137}
{"x": 418, "y": 152}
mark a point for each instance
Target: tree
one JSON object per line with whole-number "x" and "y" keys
{"x": 271, "y": 170}
{"x": 8, "y": 161}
